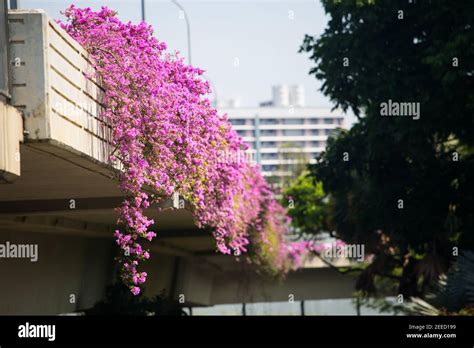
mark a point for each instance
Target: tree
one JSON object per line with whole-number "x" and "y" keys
{"x": 307, "y": 206}
{"x": 454, "y": 294}
{"x": 400, "y": 185}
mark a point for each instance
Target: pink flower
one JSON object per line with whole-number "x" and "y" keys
{"x": 168, "y": 137}
{"x": 150, "y": 235}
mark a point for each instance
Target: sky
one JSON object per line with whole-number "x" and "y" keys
{"x": 245, "y": 46}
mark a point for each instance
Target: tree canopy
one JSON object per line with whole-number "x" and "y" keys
{"x": 401, "y": 185}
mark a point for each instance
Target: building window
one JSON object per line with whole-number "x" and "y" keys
{"x": 268, "y": 121}
{"x": 316, "y": 131}
{"x": 293, "y": 121}
{"x": 318, "y": 144}
{"x": 268, "y": 132}
{"x": 269, "y": 168}
{"x": 293, "y": 144}
{"x": 238, "y": 121}
{"x": 293, "y": 132}
{"x": 329, "y": 121}
{"x": 268, "y": 144}
{"x": 269, "y": 156}
{"x": 314, "y": 121}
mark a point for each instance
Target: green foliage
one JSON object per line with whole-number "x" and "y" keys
{"x": 458, "y": 290}
{"x": 455, "y": 292}
{"x": 408, "y": 59}
{"x": 308, "y": 207}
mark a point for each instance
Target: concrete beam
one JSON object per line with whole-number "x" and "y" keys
{"x": 305, "y": 284}
{"x": 11, "y": 135}
{"x": 73, "y": 204}
{"x": 58, "y": 205}
{"x": 65, "y": 226}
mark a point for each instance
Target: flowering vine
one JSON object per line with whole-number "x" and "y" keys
{"x": 168, "y": 138}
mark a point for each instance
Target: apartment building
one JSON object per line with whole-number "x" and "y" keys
{"x": 283, "y": 132}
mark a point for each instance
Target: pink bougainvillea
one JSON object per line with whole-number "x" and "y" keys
{"x": 168, "y": 138}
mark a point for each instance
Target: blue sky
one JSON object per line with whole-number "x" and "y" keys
{"x": 245, "y": 46}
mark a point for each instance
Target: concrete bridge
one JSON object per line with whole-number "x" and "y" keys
{"x": 59, "y": 192}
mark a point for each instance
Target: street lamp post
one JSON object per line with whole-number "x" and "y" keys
{"x": 188, "y": 30}
{"x": 143, "y": 10}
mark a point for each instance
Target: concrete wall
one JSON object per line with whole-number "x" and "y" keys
{"x": 11, "y": 134}
{"x": 66, "y": 266}
{"x": 304, "y": 284}
{"x": 49, "y": 85}
{"x": 160, "y": 269}
{"x": 83, "y": 266}
{"x": 195, "y": 281}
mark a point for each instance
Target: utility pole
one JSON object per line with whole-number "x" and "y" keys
{"x": 188, "y": 34}
{"x": 188, "y": 29}
{"x": 143, "y": 10}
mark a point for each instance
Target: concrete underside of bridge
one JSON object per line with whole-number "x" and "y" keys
{"x": 64, "y": 203}
{"x": 57, "y": 192}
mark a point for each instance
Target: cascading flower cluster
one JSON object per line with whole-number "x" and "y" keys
{"x": 168, "y": 138}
